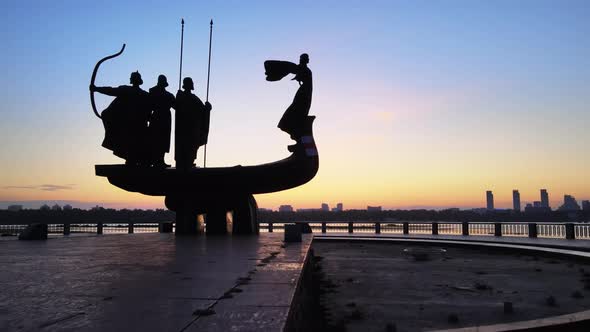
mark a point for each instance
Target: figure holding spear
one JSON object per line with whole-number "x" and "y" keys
{"x": 192, "y": 122}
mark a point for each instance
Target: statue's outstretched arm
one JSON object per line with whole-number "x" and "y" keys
{"x": 275, "y": 70}
{"x": 107, "y": 90}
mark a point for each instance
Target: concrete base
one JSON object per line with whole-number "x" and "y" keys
{"x": 187, "y": 223}
{"x": 292, "y": 233}
{"x": 216, "y": 222}
{"x": 187, "y": 208}
{"x": 34, "y": 232}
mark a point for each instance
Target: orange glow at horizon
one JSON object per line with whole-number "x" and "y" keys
{"x": 414, "y": 111}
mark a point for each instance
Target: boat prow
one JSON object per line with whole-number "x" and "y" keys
{"x": 293, "y": 171}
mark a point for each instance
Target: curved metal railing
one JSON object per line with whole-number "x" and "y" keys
{"x": 579, "y": 231}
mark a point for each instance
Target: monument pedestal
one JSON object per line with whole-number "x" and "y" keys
{"x": 188, "y": 208}
{"x": 216, "y": 220}
{"x": 187, "y": 216}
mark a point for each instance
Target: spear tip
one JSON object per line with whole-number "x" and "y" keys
{"x": 211, "y": 23}
{"x": 182, "y": 21}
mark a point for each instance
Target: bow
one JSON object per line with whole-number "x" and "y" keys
{"x": 94, "y": 77}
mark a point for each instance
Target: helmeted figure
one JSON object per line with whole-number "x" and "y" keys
{"x": 160, "y": 122}
{"x": 191, "y": 125}
{"x": 296, "y": 114}
{"x": 126, "y": 120}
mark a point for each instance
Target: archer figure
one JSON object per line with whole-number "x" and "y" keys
{"x": 126, "y": 120}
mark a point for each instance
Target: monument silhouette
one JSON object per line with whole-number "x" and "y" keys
{"x": 126, "y": 120}
{"x": 190, "y": 190}
{"x": 160, "y": 121}
{"x": 192, "y": 125}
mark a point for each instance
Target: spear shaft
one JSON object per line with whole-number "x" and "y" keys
{"x": 209, "y": 64}
{"x": 181, "y": 46}
{"x": 208, "y": 75}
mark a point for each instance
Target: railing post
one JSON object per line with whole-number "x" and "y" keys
{"x": 66, "y": 229}
{"x": 465, "y": 228}
{"x": 497, "y": 229}
{"x": 350, "y": 227}
{"x": 323, "y": 227}
{"x": 406, "y": 228}
{"x": 270, "y": 227}
{"x": 532, "y": 229}
{"x": 165, "y": 227}
{"x": 569, "y": 231}
{"x": 377, "y": 228}
{"x": 99, "y": 228}
{"x": 130, "y": 228}
{"x": 434, "y": 228}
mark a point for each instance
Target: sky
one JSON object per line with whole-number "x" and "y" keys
{"x": 418, "y": 103}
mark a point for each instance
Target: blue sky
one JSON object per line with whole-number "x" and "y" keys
{"x": 416, "y": 100}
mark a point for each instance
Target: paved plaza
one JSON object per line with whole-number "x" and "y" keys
{"x": 148, "y": 282}
{"x": 163, "y": 282}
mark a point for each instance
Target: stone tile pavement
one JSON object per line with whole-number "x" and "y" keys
{"x": 148, "y": 282}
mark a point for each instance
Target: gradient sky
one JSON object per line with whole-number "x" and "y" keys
{"x": 418, "y": 103}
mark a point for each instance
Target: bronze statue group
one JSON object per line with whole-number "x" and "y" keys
{"x": 138, "y": 123}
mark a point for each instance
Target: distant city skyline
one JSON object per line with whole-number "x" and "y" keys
{"x": 490, "y": 204}
{"x": 35, "y": 204}
{"x": 569, "y": 203}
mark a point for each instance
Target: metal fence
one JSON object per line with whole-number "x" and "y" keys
{"x": 87, "y": 228}
{"x": 541, "y": 230}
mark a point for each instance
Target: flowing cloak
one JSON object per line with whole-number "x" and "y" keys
{"x": 125, "y": 121}
{"x": 192, "y": 126}
{"x": 294, "y": 117}
{"x": 160, "y": 120}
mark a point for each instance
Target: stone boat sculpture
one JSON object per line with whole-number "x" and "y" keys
{"x": 214, "y": 191}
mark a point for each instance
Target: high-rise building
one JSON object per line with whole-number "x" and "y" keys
{"x": 285, "y": 208}
{"x": 536, "y": 208}
{"x": 68, "y": 207}
{"x": 325, "y": 207}
{"x": 490, "y": 200}
{"x": 569, "y": 204}
{"x": 586, "y": 205}
{"x": 338, "y": 208}
{"x": 544, "y": 198}
{"x": 516, "y": 200}
{"x": 374, "y": 208}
